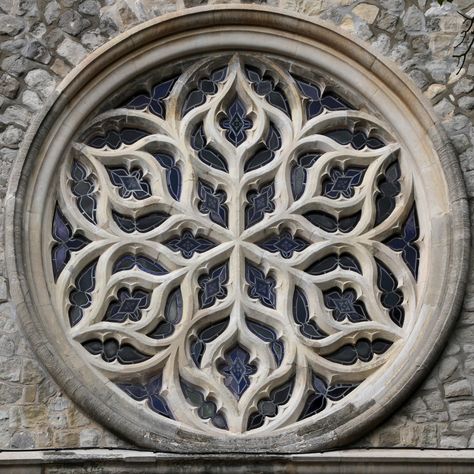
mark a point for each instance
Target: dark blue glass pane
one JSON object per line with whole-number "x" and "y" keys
{"x": 236, "y": 122}
{"x": 389, "y": 188}
{"x": 259, "y": 203}
{"x": 284, "y": 243}
{"x": 114, "y": 139}
{"x": 341, "y": 182}
{"x": 345, "y": 305}
{"x": 317, "y": 102}
{"x": 206, "y": 153}
{"x": 357, "y": 139}
{"x": 150, "y": 392}
{"x": 261, "y": 287}
{"x": 299, "y": 173}
{"x": 66, "y": 242}
{"x": 80, "y": 296}
{"x": 269, "y": 335}
{"x": 391, "y": 297}
{"x": 111, "y": 350}
{"x": 405, "y": 242}
{"x": 268, "y": 407}
{"x": 173, "y": 313}
{"x": 211, "y": 202}
{"x": 266, "y": 152}
{"x": 145, "y": 223}
{"x": 145, "y": 264}
{"x": 189, "y": 244}
{"x": 206, "y": 86}
{"x": 213, "y": 285}
{"x": 207, "y": 409}
{"x": 127, "y": 306}
{"x": 332, "y": 262}
{"x": 173, "y": 174}
{"x": 363, "y": 350}
{"x": 155, "y": 101}
{"x": 237, "y": 370}
{"x": 206, "y": 335}
{"x": 301, "y": 315}
{"x": 83, "y": 188}
{"x": 265, "y": 86}
{"x": 329, "y": 223}
{"x": 130, "y": 182}
{"x": 317, "y": 401}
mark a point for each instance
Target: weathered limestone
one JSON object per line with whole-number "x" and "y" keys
{"x": 437, "y": 33}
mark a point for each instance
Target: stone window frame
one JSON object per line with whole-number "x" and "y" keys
{"x": 192, "y": 32}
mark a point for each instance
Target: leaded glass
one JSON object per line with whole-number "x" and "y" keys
{"x": 239, "y": 238}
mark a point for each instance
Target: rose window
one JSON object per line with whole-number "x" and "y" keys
{"x": 236, "y": 232}
{"x": 236, "y": 247}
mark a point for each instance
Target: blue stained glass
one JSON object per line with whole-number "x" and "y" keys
{"x": 332, "y": 262}
{"x": 268, "y": 407}
{"x": 130, "y": 182}
{"x": 237, "y": 370}
{"x": 389, "y": 188}
{"x": 322, "y": 392}
{"x": 265, "y": 86}
{"x": 67, "y": 242}
{"x": 345, "y": 305}
{"x": 173, "y": 174}
{"x": 284, "y": 243}
{"x": 173, "y": 314}
{"x": 269, "y": 335}
{"x": 261, "y": 287}
{"x": 111, "y": 350}
{"x": 189, "y": 244}
{"x": 83, "y": 189}
{"x": 362, "y": 350}
{"x": 317, "y": 102}
{"x": 301, "y": 315}
{"x": 205, "y": 152}
{"x": 114, "y": 139}
{"x": 266, "y": 152}
{"x": 260, "y": 203}
{"x": 150, "y": 392}
{"x": 299, "y": 173}
{"x": 145, "y": 223}
{"x": 357, "y": 139}
{"x": 206, "y": 86}
{"x": 237, "y": 123}
{"x": 405, "y": 242}
{"x": 207, "y": 409}
{"x": 391, "y": 297}
{"x": 329, "y": 223}
{"x": 81, "y": 295}
{"x": 212, "y": 203}
{"x": 213, "y": 285}
{"x": 127, "y": 306}
{"x": 154, "y": 102}
{"x": 206, "y": 335}
{"x": 145, "y": 264}
{"x": 342, "y": 182}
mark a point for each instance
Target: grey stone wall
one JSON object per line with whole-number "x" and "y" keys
{"x": 41, "y": 41}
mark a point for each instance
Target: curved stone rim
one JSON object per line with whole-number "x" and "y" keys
{"x": 196, "y": 20}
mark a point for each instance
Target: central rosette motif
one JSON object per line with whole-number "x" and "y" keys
{"x": 235, "y": 247}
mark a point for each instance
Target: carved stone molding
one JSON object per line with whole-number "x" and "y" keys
{"x": 235, "y": 229}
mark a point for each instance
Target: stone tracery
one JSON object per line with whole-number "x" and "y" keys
{"x": 249, "y": 205}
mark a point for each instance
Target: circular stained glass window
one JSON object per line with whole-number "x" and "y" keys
{"x": 238, "y": 246}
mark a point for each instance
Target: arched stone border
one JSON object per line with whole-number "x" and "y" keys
{"x": 229, "y": 26}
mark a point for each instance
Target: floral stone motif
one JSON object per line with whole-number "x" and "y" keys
{"x": 215, "y": 250}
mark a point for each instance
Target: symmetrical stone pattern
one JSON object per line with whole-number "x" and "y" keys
{"x": 42, "y": 41}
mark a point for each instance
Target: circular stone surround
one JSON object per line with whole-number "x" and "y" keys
{"x": 346, "y": 315}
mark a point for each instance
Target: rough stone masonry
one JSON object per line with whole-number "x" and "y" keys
{"x": 41, "y": 41}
